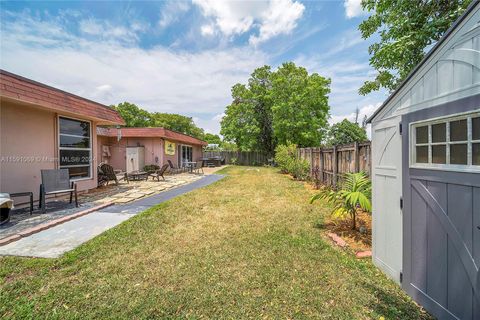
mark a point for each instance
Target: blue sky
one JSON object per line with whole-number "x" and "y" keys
{"x": 184, "y": 57}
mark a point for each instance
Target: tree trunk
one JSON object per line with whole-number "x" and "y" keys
{"x": 354, "y": 220}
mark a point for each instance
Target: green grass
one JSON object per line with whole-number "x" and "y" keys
{"x": 244, "y": 247}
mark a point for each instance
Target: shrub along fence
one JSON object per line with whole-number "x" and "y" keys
{"x": 245, "y": 158}
{"x": 327, "y": 165}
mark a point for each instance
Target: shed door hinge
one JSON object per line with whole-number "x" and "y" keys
{"x": 401, "y": 203}
{"x": 400, "y": 128}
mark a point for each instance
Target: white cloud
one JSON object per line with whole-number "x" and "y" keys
{"x": 105, "y": 30}
{"x": 272, "y": 18}
{"x": 353, "y": 8}
{"x": 157, "y": 79}
{"x": 171, "y": 12}
{"x": 366, "y": 110}
{"x": 280, "y": 18}
{"x": 211, "y": 125}
{"x": 207, "y": 30}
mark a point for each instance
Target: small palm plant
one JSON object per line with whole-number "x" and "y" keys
{"x": 355, "y": 193}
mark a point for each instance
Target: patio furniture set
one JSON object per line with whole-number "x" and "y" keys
{"x": 57, "y": 181}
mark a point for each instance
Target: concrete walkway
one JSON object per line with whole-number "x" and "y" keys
{"x": 53, "y": 242}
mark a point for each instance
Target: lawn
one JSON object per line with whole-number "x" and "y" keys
{"x": 248, "y": 246}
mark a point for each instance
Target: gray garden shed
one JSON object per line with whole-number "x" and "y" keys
{"x": 426, "y": 176}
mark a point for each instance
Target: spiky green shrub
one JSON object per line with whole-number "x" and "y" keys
{"x": 355, "y": 192}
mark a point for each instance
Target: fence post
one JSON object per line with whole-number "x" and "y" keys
{"x": 356, "y": 157}
{"x": 311, "y": 162}
{"x": 335, "y": 166}
{"x": 321, "y": 159}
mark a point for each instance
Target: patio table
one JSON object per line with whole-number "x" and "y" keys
{"x": 190, "y": 165}
{"x": 135, "y": 176}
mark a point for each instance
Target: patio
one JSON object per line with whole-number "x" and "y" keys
{"x": 123, "y": 193}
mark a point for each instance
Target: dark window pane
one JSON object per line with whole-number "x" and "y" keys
{"x": 439, "y": 154}
{"x": 74, "y": 157}
{"x": 458, "y": 154}
{"x": 74, "y": 142}
{"x": 476, "y": 128}
{"x": 476, "y": 154}
{"x": 75, "y": 127}
{"x": 79, "y": 172}
{"x": 439, "y": 132}
{"x": 422, "y": 134}
{"x": 458, "y": 130}
{"x": 422, "y": 154}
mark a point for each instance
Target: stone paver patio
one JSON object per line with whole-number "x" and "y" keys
{"x": 116, "y": 194}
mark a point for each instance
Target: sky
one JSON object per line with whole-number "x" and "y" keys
{"x": 184, "y": 56}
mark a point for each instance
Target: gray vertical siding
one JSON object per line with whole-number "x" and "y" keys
{"x": 441, "y": 236}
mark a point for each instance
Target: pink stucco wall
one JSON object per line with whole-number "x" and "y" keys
{"x": 154, "y": 151}
{"x": 28, "y": 144}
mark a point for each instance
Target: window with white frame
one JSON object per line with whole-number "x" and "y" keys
{"x": 452, "y": 142}
{"x": 75, "y": 147}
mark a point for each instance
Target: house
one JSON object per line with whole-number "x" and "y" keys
{"x": 42, "y": 127}
{"x": 426, "y": 176}
{"x": 132, "y": 148}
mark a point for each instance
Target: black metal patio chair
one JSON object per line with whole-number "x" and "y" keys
{"x": 56, "y": 182}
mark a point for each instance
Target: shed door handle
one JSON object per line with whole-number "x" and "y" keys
{"x": 478, "y": 227}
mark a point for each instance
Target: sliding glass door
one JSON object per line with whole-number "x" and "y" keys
{"x": 186, "y": 154}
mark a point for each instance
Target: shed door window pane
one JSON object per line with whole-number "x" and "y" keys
{"x": 439, "y": 132}
{"x": 422, "y": 154}
{"x": 439, "y": 154}
{"x": 476, "y": 128}
{"x": 458, "y": 130}
{"x": 422, "y": 134}
{"x": 458, "y": 154}
{"x": 476, "y": 154}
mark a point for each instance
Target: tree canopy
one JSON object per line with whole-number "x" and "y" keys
{"x": 212, "y": 138}
{"x": 277, "y": 107}
{"x": 346, "y": 132}
{"x": 135, "y": 116}
{"x": 404, "y": 30}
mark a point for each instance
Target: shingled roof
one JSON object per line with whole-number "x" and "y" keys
{"x": 150, "y": 133}
{"x": 17, "y": 88}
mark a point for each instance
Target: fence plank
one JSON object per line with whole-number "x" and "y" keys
{"x": 246, "y": 158}
{"x": 329, "y": 164}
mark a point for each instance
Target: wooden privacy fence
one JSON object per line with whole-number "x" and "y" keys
{"x": 245, "y": 158}
{"x": 327, "y": 165}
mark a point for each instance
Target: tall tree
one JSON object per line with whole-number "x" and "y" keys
{"x": 176, "y": 122}
{"x": 212, "y": 138}
{"x": 286, "y": 105}
{"x": 405, "y": 29}
{"x": 133, "y": 115}
{"x": 346, "y": 132}
{"x": 248, "y": 120}
{"x": 300, "y": 105}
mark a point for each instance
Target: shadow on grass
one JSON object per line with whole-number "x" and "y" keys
{"x": 391, "y": 305}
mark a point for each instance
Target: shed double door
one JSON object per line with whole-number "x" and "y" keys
{"x": 441, "y": 229}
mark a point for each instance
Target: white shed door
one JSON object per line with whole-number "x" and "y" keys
{"x": 387, "y": 192}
